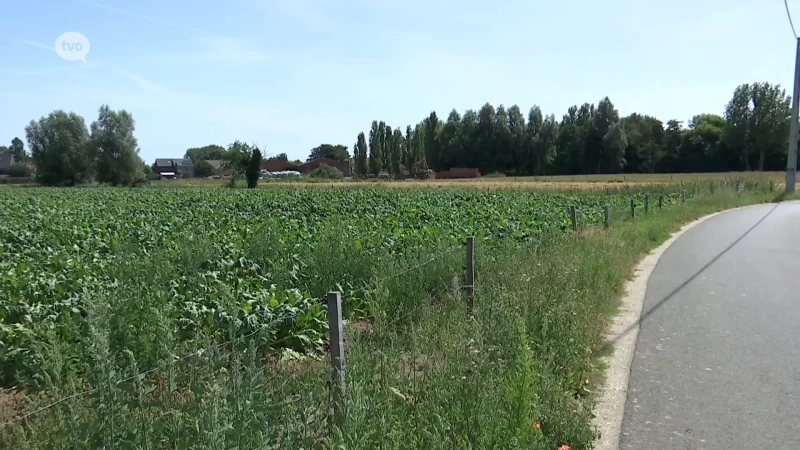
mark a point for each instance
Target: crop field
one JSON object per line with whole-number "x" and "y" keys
{"x": 60, "y": 246}
{"x": 558, "y": 182}
{"x": 216, "y": 296}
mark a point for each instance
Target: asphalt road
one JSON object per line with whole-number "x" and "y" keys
{"x": 717, "y": 362}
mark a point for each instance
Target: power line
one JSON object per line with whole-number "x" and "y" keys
{"x": 789, "y": 15}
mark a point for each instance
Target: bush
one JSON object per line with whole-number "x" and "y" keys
{"x": 495, "y": 175}
{"x": 253, "y": 170}
{"x": 326, "y": 171}
{"x": 203, "y": 169}
{"x": 19, "y": 171}
{"x": 426, "y": 174}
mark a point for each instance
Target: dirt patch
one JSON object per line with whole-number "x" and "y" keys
{"x": 10, "y": 400}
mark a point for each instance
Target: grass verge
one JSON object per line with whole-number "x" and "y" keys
{"x": 423, "y": 373}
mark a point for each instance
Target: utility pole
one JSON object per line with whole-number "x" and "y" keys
{"x": 791, "y": 164}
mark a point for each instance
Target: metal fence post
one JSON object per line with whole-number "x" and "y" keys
{"x": 647, "y": 204}
{"x": 336, "y": 338}
{"x": 660, "y": 202}
{"x": 605, "y": 216}
{"x": 471, "y": 271}
{"x": 633, "y": 209}
{"x": 683, "y": 196}
{"x": 573, "y": 217}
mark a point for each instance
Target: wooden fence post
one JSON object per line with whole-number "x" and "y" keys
{"x": 633, "y": 209}
{"x": 647, "y": 204}
{"x": 605, "y": 216}
{"x": 660, "y": 202}
{"x": 683, "y": 196}
{"x": 770, "y": 185}
{"x": 573, "y": 216}
{"x": 471, "y": 271}
{"x": 336, "y": 338}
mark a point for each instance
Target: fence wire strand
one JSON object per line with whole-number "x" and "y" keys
{"x": 418, "y": 266}
{"x": 200, "y": 352}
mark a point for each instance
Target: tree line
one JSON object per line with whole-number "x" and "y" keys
{"x": 66, "y": 152}
{"x": 752, "y": 134}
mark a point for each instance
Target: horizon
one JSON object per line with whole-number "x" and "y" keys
{"x": 291, "y": 75}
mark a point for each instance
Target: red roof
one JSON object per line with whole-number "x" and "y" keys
{"x": 314, "y": 163}
{"x": 277, "y": 166}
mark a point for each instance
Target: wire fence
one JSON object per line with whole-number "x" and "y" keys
{"x": 647, "y": 203}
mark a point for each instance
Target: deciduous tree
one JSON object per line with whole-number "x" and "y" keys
{"x": 59, "y": 148}
{"x": 375, "y": 148}
{"x": 113, "y": 144}
{"x": 361, "y": 154}
{"x": 203, "y": 169}
{"x": 337, "y": 152}
{"x": 432, "y": 150}
{"x": 410, "y": 155}
{"x": 17, "y": 149}
{"x": 397, "y": 150}
{"x": 209, "y": 152}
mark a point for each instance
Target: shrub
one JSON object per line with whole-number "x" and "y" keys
{"x": 253, "y": 170}
{"x": 495, "y": 175}
{"x": 19, "y": 170}
{"x": 326, "y": 171}
{"x": 203, "y": 169}
{"x": 425, "y": 174}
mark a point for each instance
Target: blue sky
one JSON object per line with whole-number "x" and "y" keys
{"x": 292, "y": 74}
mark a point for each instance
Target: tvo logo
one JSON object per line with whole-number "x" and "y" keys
{"x": 72, "y": 46}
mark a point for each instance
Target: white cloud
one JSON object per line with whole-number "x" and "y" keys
{"x": 38, "y": 45}
{"x": 220, "y": 50}
{"x": 136, "y": 15}
{"x": 139, "y": 80}
{"x": 308, "y": 11}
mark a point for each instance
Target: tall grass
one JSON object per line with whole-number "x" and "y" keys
{"x": 422, "y": 371}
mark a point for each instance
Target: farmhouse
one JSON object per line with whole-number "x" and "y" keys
{"x": 6, "y": 161}
{"x": 458, "y": 172}
{"x": 174, "y": 168}
{"x": 277, "y": 166}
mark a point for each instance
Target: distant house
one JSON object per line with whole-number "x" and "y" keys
{"x": 344, "y": 166}
{"x": 458, "y": 173}
{"x": 6, "y": 161}
{"x": 277, "y": 166}
{"x": 174, "y": 168}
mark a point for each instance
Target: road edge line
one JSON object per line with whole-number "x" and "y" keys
{"x": 609, "y": 407}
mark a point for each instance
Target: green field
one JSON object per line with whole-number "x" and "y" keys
{"x": 216, "y": 295}
{"x": 592, "y": 181}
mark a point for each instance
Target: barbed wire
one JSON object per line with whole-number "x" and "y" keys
{"x": 229, "y": 342}
{"x": 410, "y": 269}
{"x": 195, "y": 353}
{"x": 116, "y": 383}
